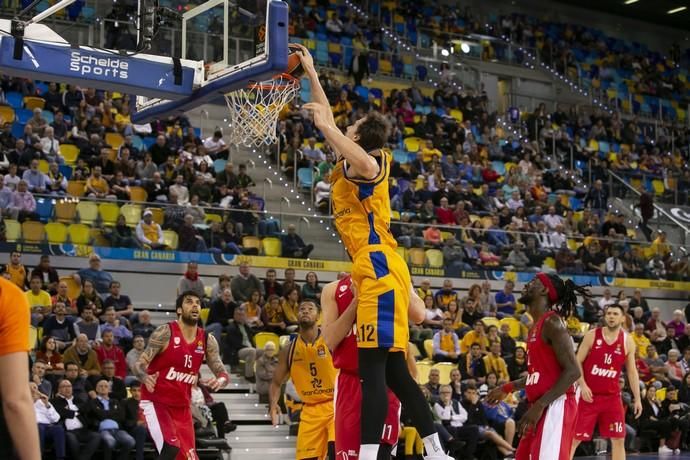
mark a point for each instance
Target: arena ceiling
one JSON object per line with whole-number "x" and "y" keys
{"x": 654, "y": 11}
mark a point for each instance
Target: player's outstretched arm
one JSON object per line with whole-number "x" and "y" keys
{"x": 582, "y": 352}
{"x": 499, "y": 393}
{"x": 280, "y": 375}
{"x": 416, "y": 312}
{"x": 317, "y": 93}
{"x": 335, "y": 328}
{"x": 633, "y": 375}
{"x": 222, "y": 378}
{"x": 157, "y": 343}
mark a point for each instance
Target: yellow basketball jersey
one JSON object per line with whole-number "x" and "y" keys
{"x": 362, "y": 208}
{"x": 311, "y": 370}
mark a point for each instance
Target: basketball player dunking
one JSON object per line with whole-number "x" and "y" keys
{"x": 362, "y": 213}
{"x": 339, "y": 306}
{"x": 603, "y": 353}
{"x": 548, "y": 426}
{"x": 168, "y": 368}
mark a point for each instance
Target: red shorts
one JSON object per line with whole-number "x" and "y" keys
{"x": 171, "y": 425}
{"x": 607, "y": 410}
{"x": 348, "y": 399}
{"x": 553, "y": 436}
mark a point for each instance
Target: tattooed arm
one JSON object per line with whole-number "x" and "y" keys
{"x": 222, "y": 378}
{"x": 157, "y": 343}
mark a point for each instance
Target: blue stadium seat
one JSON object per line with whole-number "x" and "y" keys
{"x": 137, "y": 142}
{"x": 305, "y": 177}
{"x": 23, "y": 115}
{"x": 148, "y": 142}
{"x": 219, "y": 165}
{"x": 48, "y": 115}
{"x": 66, "y": 171}
{"x": 17, "y": 129}
{"x": 44, "y": 208}
{"x": 15, "y": 99}
{"x": 400, "y": 156}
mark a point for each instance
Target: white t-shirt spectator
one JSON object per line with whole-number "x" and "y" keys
{"x": 604, "y": 302}
{"x": 214, "y": 145}
{"x": 552, "y": 221}
{"x": 322, "y": 191}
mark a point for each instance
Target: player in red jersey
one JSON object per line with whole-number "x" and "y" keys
{"x": 168, "y": 368}
{"x": 603, "y": 353}
{"x": 548, "y": 426}
{"x": 339, "y": 309}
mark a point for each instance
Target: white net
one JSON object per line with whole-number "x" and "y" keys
{"x": 254, "y": 110}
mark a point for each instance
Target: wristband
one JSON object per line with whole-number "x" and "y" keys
{"x": 507, "y": 387}
{"x": 224, "y": 375}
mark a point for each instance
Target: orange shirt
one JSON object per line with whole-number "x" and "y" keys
{"x": 15, "y": 319}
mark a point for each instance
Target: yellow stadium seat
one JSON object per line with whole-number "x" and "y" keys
{"x": 76, "y": 188}
{"x": 414, "y": 350}
{"x": 572, "y": 244}
{"x": 65, "y": 211}
{"x": 203, "y": 315}
{"x": 395, "y": 215}
{"x": 423, "y": 368}
{"x": 171, "y": 239}
{"x": 284, "y": 341}
{"x": 73, "y": 288}
{"x": 417, "y": 256}
{"x": 435, "y": 258}
{"x": 446, "y": 235}
{"x": 550, "y": 262}
{"x": 158, "y": 215}
{"x": 33, "y": 232}
{"x": 43, "y": 166}
{"x": 385, "y": 66}
{"x": 584, "y": 327}
{"x": 412, "y": 144}
{"x": 487, "y": 221}
{"x": 251, "y": 242}
{"x": 457, "y": 114}
{"x": 56, "y": 232}
{"x": 115, "y": 140}
{"x": 6, "y": 114}
{"x": 408, "y": 131}
{"x": 208, "y": 290}
{"x": 273, "y": 247}
{"x": 632, "y": 233}
{"x": 69, "y": 152}
{"x": 138, "y": 194}
{"x": 33, "y": 337}
{"x": 79, "y": 233}
{"x": 658, "y": 186}
{"x": 262, "y": 338}
{"x": 214, "y": 218}
{"x": 109, "y": 213}
{"x": 661, "y": 394}
{"x": 96, "y": 235}
{"x": 520, "y": 344}
{"x": 491, "y": 321}
{"x": 402, "y": 251}
{"x": 132, "y": 213}
{"x": 514, "y": 325}
{"x": 444, "y": 370}
{"x": 13, "y": 231}
{"x": 88, "y": 212}
{"x": 32, "y": 102}
{"x": 429, "y": 348}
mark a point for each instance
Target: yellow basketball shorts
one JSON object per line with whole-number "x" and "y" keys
{"x": 382, "y": 280}
{"x": 316, "y": 430}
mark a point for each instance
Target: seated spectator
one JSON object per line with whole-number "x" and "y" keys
{"x": 215, "y": 146}
{"x": 472, "y": 365}
{"x": 138, "y": 345}
{"x": 190, "y": 240}
{"x": 24, "y": 203}
{"x": 179, "y": 193}
{"x": 109, "y": 418}
{"x": 143, "y": 326}
{"x": 82, "y": 443}
{"x": 493, "y": 362}
{"x": 476, "y": 335}
{"x": 505, "y": 300}
{"x": 36, "y": 181}
{"x": 265, "y": 367}
{"x": 156, "y": 188}
{"x": 48, "y": 420}
{"x": 48, "y": 353}
{"x": 119, "y": 186}
{"x": 453, "y": 417}
{"x": 220, "y": 314}
{"x": 109, "y": 351}
{"x": 97, "y": 186}
{"x": 487, "y": 257}
{"x": 50, "y": 146}
{"x": 38, "y": 376}
{"x": 121, "y": 235}
{"x": 294, "y": 246}
{"x": 273, "y": 317}
{"x": 191, "y": 282}
{"x": 653, "y": 421}
{"x": 218, "y": 288}
{"x": 96, "y": 274}
{"x": 446, "y": 346}
{"x": 88, "y": 324}
{"x": 117, "y": 388}
{"x": 89, "y": 296}
{"x": 82, "y": 354}
{"x": 120, "y": 302}
{"x": 477, "y": 417}
{"x": 239, "y": 343}
{"x": 311, "y": 289}
{"x": 122, "y": 336}
{"x": 134, "y": 423}
{"x": 39, "y": 301}
{"x": 48, "y": 274}
{"x": 244, "y": 284}
{"x": 60, "y": 327}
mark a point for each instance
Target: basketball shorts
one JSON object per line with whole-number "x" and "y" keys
{"x": 552, "y": 438}
{"x": 606, "y": 411}
{"x": 171, "y": 425}
{"x": 316, "y": 430}
{"x": 383, "y": 284}
{"x": 348, "y": 398}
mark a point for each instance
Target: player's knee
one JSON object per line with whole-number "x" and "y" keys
{"x": 168, "y": 452}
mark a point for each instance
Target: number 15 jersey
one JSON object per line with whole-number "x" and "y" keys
{"x": 178, "y": 368}
{"x": 602, "y": 366}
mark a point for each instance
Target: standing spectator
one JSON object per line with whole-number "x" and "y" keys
{"x": 505, "y": 301}
{"x": 48, "y": 274}
{"x": 82, "y": 354}
{"x": 48, "y": 426}
{"x": 294, "y": 246}
{"x": 191, "y": 281}
{"x": 109, "y": 417}
{"x": 82, "y": 443}
{"x": 446, "y": 346}
{"x": 646, "y": 206}
{"x": 109, "y": 351}
{"x": 244, "y": 284}
{"x": 240, "y": 343}
{"x": 101, "y": 279}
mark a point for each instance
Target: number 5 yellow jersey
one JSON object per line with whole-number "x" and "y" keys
{"x": 311, "y": 370}
{"x": 362, "y": 208}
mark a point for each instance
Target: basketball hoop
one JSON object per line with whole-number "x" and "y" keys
{"x": 254, "y": 110}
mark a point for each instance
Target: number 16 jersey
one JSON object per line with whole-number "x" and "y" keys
{"x": 178, "y": 368}
{"x": 602, "y": 366}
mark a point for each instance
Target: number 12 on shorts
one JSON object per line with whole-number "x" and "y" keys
{"x": 365, "y": 333}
